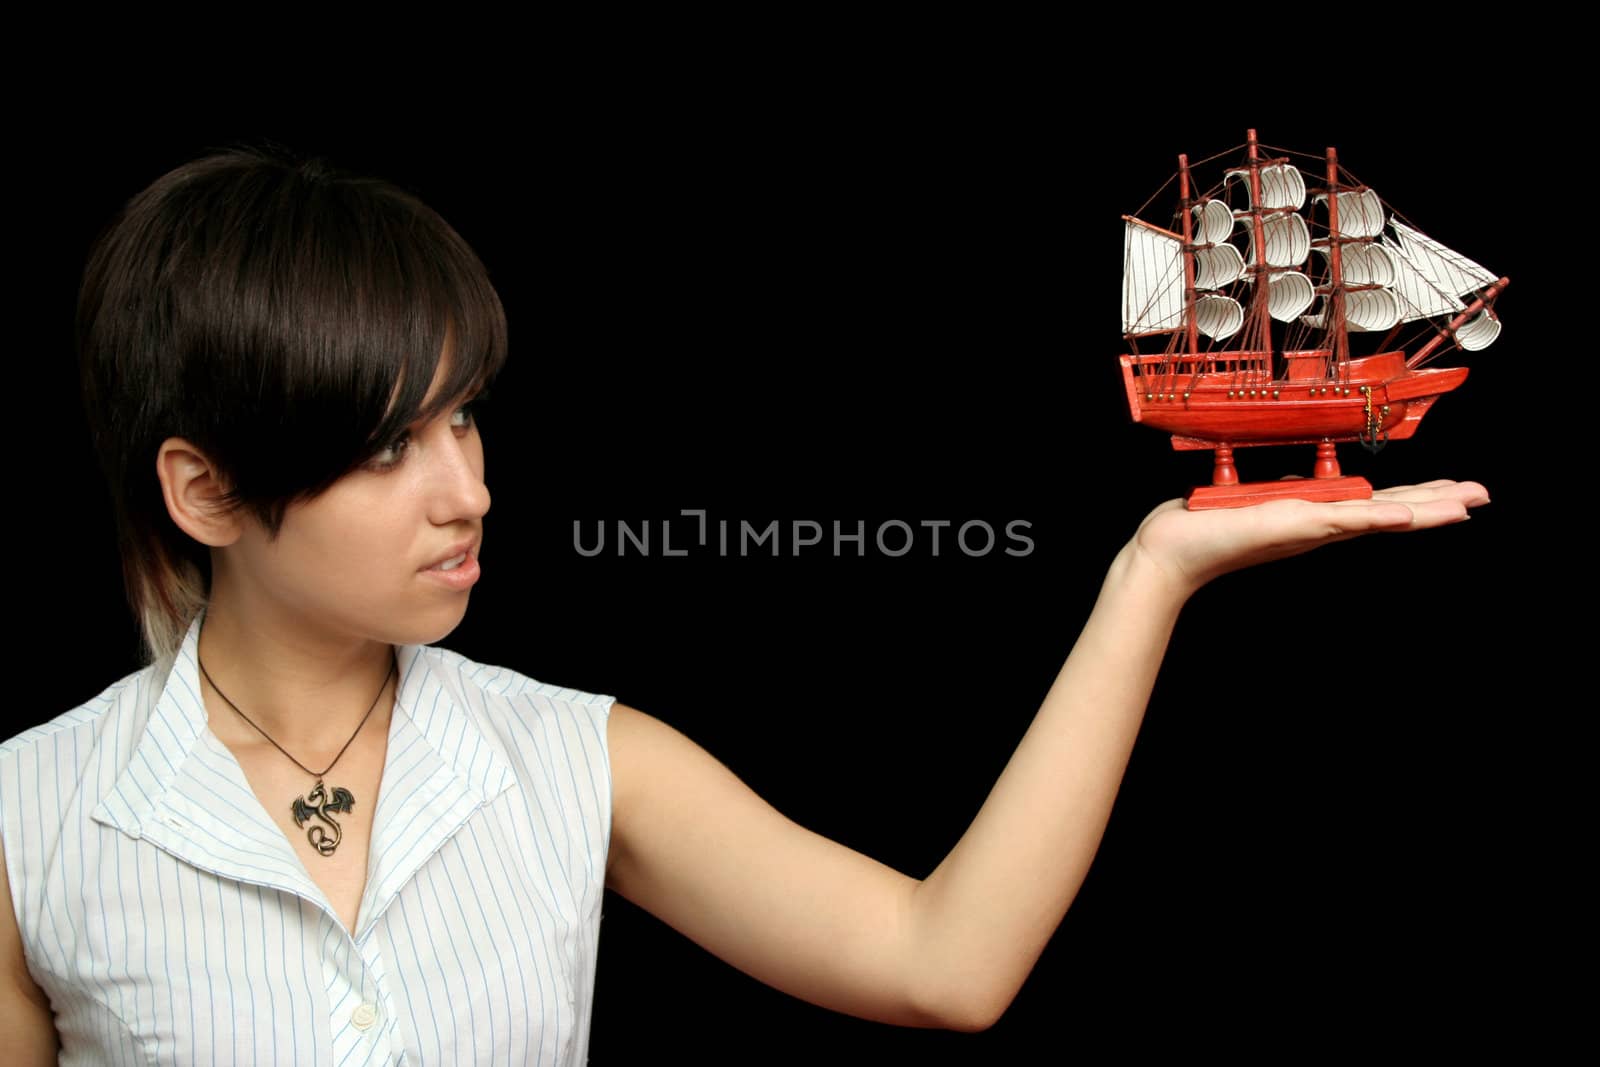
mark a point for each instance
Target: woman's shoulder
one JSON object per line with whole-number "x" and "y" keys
{"x": 496, "y": 724}
{"x": 461, "y": 705}
{"x": 72, "y": 760}
{"x": 126, "y": 699}
{"x": 497, "y": 687}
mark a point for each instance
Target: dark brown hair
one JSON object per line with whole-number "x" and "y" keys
{"x": 285, "y": 318}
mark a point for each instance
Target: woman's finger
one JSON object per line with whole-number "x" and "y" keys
{"x": 1468, "y": 492}
{"x": 1423, "y": 511}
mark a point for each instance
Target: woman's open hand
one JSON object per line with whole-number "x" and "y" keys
{"x": 1193, "y": 547}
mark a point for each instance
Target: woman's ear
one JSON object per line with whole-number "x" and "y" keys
{"x": 193, "y": 490}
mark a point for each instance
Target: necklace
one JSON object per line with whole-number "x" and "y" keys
{"x": 319, "y": 803}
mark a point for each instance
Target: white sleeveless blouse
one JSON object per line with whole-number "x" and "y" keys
{"x": 170, "y": 922}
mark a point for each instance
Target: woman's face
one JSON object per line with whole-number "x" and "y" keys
{"x": 357, "y": 559}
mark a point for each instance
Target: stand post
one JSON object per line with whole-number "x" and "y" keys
{"x": 1327, "y": 461}
{"x": 1223, "y": 472}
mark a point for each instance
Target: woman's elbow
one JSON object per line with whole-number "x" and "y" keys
{"x": 969, "y": 1008}
{"x": 974, "y": 1015}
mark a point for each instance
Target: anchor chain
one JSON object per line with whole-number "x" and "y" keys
{"x": 1374, "y": 437}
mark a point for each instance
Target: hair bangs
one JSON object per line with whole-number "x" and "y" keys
{"x": 454, "y": 320}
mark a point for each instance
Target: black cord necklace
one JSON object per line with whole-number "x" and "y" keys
{"x": 319, "y": 803}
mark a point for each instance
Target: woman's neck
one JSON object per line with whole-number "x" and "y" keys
{"x": 308, "y": 691}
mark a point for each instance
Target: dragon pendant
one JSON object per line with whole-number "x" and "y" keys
{"x": 318, "y": 804}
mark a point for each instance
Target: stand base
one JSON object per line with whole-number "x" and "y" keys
{"x": 1247, "y": 493}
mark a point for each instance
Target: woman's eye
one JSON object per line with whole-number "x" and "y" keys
{"x": 389, "y": 455}
{"x": 469, "y": 410}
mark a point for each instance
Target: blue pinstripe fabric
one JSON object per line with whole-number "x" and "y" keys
{"x": 168, "y": 919}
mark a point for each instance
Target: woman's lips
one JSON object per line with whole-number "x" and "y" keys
{"x": 459, "y": 577}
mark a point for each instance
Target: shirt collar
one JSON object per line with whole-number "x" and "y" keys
{"x": 174, "y": 738}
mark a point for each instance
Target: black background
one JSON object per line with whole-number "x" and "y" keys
{"x": 887, "y": 296}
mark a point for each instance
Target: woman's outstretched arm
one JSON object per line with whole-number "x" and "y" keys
{"x": 693, "y": 845}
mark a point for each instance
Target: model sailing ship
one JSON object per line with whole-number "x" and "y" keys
{"x": 1257, "y": 250}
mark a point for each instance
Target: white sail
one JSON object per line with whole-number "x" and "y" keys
{"x": 1213, "y": 222}
{"x": 1287, "y": 238}
{"x": 1218, "y": 316}
{"x": 1364, "y": 310}
{"x": 1288, "y": 294}
{"x": 1360, "y": 213}
{"x": 1364, "y": 264}
{"x": 1282, "y": 186}
{"x": 1371, "y": 309}
{"x": 1479, "y": 332}
{"x": 1217, "y": 266}
{"x": 1420, "y": 295}
{"x": 1152, "y": 279}
{"x": 1448, "y": 270}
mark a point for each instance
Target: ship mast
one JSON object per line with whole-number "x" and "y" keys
{"x": 1341, "y": 338}
{"x": 1260, "y": 332}
{"x": 1188, "y": 254}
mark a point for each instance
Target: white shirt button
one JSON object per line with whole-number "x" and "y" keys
{"x": 363, "y": 1017}
{"x": 176, "y": 823}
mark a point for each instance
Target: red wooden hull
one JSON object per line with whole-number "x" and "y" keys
{"x": 1206, "y": 403}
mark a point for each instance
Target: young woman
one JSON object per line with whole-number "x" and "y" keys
{"x": 306, "y": 834}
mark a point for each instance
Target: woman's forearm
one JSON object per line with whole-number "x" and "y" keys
{"x": 982, "y": 918}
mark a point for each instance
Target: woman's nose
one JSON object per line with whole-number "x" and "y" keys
{"x": 456, "y": 473}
